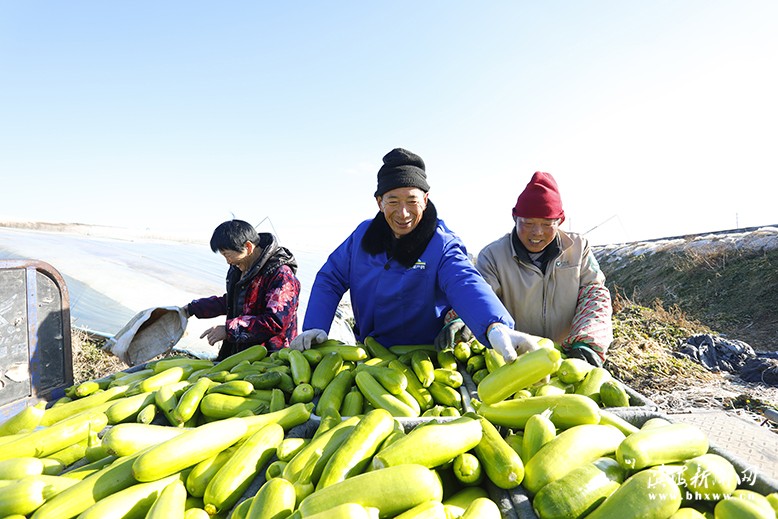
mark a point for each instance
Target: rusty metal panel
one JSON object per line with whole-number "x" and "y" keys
{"x": 35, "y": 340}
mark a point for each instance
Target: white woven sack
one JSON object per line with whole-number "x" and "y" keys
{"x": 150, "y": 333}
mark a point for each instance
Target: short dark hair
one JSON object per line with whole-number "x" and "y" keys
{"x": 233, "y": 235}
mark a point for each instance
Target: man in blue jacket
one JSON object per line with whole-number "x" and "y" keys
{"x": 406, "y": 271}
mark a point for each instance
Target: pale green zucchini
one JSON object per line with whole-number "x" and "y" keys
{"x": 188, "y": 449}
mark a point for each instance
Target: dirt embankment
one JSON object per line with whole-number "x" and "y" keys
{"x": 727, "y": 281}
{"x": 665, "y": 291}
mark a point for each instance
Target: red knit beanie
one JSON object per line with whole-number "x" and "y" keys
{"x": 540, "y": 199}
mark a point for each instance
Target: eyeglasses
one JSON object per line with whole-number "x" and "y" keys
{"x": 543, "y": 224}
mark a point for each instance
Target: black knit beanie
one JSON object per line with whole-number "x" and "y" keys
{"x": 401, "y": 168}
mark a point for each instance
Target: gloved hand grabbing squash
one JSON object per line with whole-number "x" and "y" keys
{"x": 453, "y": 332}
{"x": 308, "y": 338}
{"x": 509, "y": 343}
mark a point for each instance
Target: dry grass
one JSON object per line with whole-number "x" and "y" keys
{"x": 642, "y": 355}
{"x": 643, "y": 343}
{"x": 89, "y": 361}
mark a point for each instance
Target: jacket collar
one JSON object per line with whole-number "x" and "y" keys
{"x": 551, "y": 251}
{"x": 405, "y": 250}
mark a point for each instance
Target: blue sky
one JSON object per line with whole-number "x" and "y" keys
{"x": 656, "y": 118}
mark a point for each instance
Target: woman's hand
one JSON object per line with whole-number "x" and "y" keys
{"x": 215, "y": 334}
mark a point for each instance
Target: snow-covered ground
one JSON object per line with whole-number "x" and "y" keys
{"x": 112, "y": 274}
{"x": 762, "y": 238}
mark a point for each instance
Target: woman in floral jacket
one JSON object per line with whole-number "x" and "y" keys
{"x": 262, "y": 291}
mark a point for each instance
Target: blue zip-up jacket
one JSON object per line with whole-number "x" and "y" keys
{"x": 395, "y": 304}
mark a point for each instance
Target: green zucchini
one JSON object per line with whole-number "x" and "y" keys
{"x": 571, "y": 448}
{"x": 170, "y": 503}
{"x": 527, "y": 369}
{"x": 201, "y": 474}
{"x": 89, "y": 491}
{"x": 274, "y": 499}
{"x": 128, "y": 438}
{"x": 302, "y": 393}
{"x": 295, "y": 414}
{"x": 25, "y": 420}
{"x": 414, "y": 387}
{"x": 432, "y": 444}
{"x": 647, "y": 494}
{"x": 391, "y": 379}
{"x": 331, "y": 398}
{"x": 614, "y": 394}
{"x": 219, "y": 406}
{"x": 342, "y": 511}
{"x": 446, "y": 359}
{"x": 378, "y": 350}
{"x": 379, "y": 397}
{"x": 330, "y": 440}
{"x": 493, "y": 359}
{"x": 463, "y": 353}
{"x": 401, "y": 349}
{"x": 467, "y": 469}
{"x": 17, "y": 468}
{"x": 687, "y": 513}
{"x": 709, "y": 477}
{"x": 609, "y": 418}
{"x": 289, "y": 447}
{"x": 313, "y": 357}
{"x": 21, "y": 497}
{"x": 427, "y": 510}
{"x": 422, "y": 366}
{"x": 326, "y": 370}
{"x": 449, "y": 377}
{"x": 252, "y": 354}
{"x": 46, "y": 441}
{"x": 456, "y": 504}
{"x": 135, "y": 500}
{"x": 391, "y": 490}
{"x": 502, "y": 464}
{"x": 189, "y": 448}
{"x": 235, "y": 476}
{"x": 301, "y": 368}
{"x": 445, "y": 395}
{"x": 568, "y": 410}
{"x": 592, "y": 382}
{"x": 579, "y": 491}
{"x": 538, "y": 431}
{"x": 233, "y": 387}
{"x": 573, "y": 370}
{"x": 482, "y": 508}
{"x": 659, "y": 445}
{"x": 744, "y": 504}
{"x": 127, "y": 408}
{"x": 347, "y": 352}
{"x": 352, "y": 403}
{"x": 266, "y": 380}
{"x": 355, "y": 453}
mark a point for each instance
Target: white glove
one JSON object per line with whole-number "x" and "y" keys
{"x": 510, "y": 343}
{"x": 308, "y": 338}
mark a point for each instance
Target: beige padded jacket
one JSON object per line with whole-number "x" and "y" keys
{"x": 569, "y": 304}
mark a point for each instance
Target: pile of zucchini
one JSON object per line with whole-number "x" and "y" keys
{"x": 355, "y": 431}
{"x": 584, "y": 460}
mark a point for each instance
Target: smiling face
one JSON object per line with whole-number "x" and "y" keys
{"x": 242, "y": 259}
{"x": 403, "y": 209}
{"x": 536, "y": 233}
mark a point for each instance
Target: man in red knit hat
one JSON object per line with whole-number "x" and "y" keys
{"x": 549, "y": 279}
